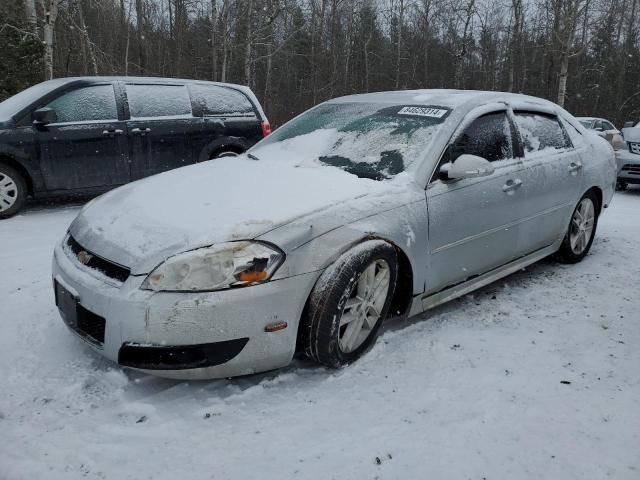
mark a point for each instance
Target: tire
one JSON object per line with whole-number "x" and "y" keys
{"x": 621, "y": 186}
{"x": 575, "y": 245}
{"x": 344, "y": 294}
{"x": 13, "y": 191}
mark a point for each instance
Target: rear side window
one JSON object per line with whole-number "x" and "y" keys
{"x": 221, "y": 100}
{"x": 607, "y": 126}
{"x": 488, "y": 137}
{"x": 541, "y": 132}
{"x": 158, "y": 101}
{"x": 95, "y": 102}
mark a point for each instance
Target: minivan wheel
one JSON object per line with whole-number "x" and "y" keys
{"x": 581, "y": 231}
{"x": 226, "y": 153}
{"x": 13, "y": 191}
{"x": 349, "y": 303}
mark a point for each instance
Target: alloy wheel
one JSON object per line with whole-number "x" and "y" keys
{"x": 363, "y": 308}
{"x": 582, "y": 224}
{"x": 8, "y": 192}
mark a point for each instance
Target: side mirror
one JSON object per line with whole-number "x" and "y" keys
{"x": 466, "y": 166}
{"x": 44, "y": 116}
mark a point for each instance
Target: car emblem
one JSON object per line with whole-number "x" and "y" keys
{"x": 84, "y": 257}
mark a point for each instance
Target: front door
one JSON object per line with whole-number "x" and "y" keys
{"x": 86, "y": 147}
{"x": 162, "y": 128}
{"x": 474, "y": 222}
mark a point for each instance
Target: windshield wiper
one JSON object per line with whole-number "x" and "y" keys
{"x": 252, "y": 156}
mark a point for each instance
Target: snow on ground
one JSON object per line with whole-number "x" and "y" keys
{"x": 536, "y": 376}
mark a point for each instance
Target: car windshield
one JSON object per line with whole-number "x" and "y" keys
{"x": 586, "y": 123}
{"x": 369, "y": 140}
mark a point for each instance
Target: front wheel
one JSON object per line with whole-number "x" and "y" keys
{"x": 582, "y": 229}
{"x": 13, "y": 191}
{"x": 349, "y": 303}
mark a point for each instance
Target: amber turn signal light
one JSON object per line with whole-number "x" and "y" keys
{"x": 252, "y": 277}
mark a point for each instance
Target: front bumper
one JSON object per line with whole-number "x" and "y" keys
{"x": 187, "y": 335}
{"x": 628, "y": 166}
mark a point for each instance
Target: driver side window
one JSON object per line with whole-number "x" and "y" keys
{"x": 489, "y": 137}
{"x": 94, "y": 102}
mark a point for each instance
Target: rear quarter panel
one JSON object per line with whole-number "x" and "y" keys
{"x": 599, "y": 167}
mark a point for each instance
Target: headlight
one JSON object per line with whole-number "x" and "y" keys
{"x": 228, "y": 265}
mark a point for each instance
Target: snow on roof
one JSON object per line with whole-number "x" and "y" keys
{"x": 450, "y": 98}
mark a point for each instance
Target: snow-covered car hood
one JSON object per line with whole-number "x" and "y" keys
{"x": 140, "y": 224}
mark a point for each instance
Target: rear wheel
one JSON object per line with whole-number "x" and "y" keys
{"x": 224, "y": 153}
{"x": 13, "y": 191}
{"x": 349, "y": 303}
{"x": 581, "y": 231}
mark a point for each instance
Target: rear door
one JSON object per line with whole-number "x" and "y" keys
{"x": 86, "y": 146}
{"x": 230, "y": 120}
{"x": 161, "y": 128}
{"x": 474, "y": 222}
{"x": 552, "y": 177}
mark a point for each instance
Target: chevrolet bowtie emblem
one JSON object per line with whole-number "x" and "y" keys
{"x": 84, "y": 257}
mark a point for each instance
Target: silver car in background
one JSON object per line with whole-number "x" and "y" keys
{"x": 362, "y": 207}
{"x": 629, "y": 158}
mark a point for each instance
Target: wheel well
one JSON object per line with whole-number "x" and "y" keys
{"x": 21, "y": 170}
{"x": 598, "y": 193}
{"x": 226, "y": 148}
{"x": 403, "y": 294}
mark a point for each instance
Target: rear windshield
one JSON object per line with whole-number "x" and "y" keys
{"x": 375, "y": 141}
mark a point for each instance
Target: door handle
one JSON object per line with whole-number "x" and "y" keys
{"x": 140, "y": 131}
{"x": 112, "y": 133}
{"x": 511, "y": 185}
{"x": 574, "y": 167}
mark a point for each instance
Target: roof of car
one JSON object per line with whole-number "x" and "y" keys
{"x": 22, "y": 100}
{"x": 449, "y": 98}
{"x": 139, "y": 79}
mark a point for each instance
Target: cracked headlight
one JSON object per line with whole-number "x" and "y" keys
{"x": 228, "y": 265}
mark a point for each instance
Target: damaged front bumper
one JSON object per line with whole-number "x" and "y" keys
{"x": 181, "y": 335}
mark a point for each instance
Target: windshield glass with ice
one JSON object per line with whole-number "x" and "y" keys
{"x": 375, "y": 141}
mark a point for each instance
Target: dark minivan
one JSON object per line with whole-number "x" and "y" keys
{"x": 83, "y": 136}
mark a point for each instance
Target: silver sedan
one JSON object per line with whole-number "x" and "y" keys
{"x": 363, "y": 207}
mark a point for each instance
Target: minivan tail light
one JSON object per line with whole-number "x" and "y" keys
{"x": 266, "y": 128}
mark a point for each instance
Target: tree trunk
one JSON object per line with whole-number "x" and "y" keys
{"x": 32, "y": 16}
{"x": 247, "y": 51}
{"x": 93, "y": 64}
{"x": 50, "y": 17}
{"x": 214, "y": 39}
{"x": 140, "y": 36}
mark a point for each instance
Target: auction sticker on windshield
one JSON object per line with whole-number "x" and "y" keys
{"x": 423, "y": 111}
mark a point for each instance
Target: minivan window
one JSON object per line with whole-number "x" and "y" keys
{"x": 95, "y": 102}
{"x": 221, "y": 100}
{"x": 489, "y": 137}
{"x": 540, "y": 131}
{"x": 158, "y": 101}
